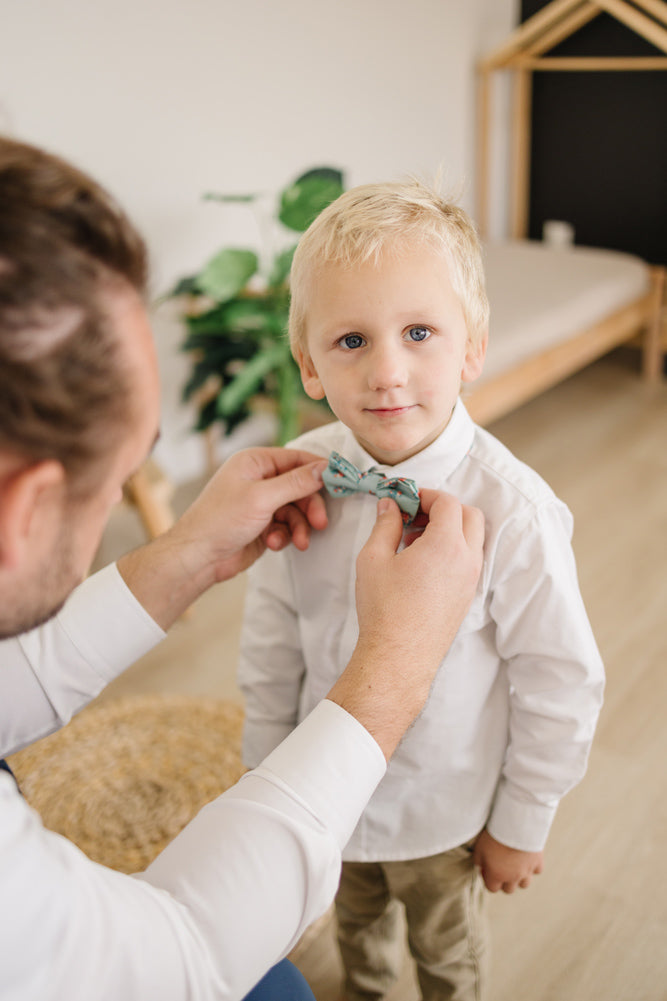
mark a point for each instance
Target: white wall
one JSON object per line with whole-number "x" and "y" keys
{"x": 163, "y": 100}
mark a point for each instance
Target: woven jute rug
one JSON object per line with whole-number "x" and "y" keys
{"x": 123, "y": 777}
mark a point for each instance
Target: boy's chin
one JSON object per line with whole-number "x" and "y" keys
{"x": 390, "y": 450}
{"x": 387, "y": 454}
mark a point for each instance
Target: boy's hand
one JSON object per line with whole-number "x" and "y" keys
{"x": 504, "y": 868}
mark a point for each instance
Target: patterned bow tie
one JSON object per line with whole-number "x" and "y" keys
{"x": 341, "y": 479}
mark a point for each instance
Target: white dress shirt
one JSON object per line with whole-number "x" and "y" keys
{"x": 510, "y": 719}
{"x": 229, "y": 897}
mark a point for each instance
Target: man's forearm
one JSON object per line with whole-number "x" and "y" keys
{"x": 385, "y": 701}
{"x": 164, "y": 577}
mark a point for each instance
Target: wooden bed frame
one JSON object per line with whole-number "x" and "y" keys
{"x": 525, "y": 52}
{"x": 640, "y": 319}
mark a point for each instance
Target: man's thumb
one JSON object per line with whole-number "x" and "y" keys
{"x": 388, "y": 528}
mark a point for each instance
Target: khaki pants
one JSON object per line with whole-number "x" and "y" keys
{"x": 443, "y": 900}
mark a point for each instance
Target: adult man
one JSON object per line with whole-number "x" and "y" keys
{"x": 78, "y": 412}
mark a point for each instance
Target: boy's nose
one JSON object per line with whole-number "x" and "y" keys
{"x": 386, "y": 370}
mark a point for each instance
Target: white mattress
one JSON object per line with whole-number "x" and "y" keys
{"x": 542, "y": 295}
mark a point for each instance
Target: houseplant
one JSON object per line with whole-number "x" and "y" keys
{"x": 236, "y": 317}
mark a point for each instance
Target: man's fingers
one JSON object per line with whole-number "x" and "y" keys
{"x": 315, "y": 510}
{"x": 472, "y": 519}
{"x": 387, "y": 531}
{"x": 473, "y": 526}
{"x": 267, "y": 462}
{"x": 427, "y": 498}
{"x": 293, "y": 485}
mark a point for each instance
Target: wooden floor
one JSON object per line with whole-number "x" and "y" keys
{"x": 593, "y": 927}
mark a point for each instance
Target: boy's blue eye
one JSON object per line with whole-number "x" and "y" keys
{"x": 352, "y": 341}
{"x": 418, "y": 333}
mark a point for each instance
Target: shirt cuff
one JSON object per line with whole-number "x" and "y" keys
{"x": 331, "y": 764}
{"x": 106, "y": 624}
{"x": 260, "y": 738}
{"x": 519, "y": 823}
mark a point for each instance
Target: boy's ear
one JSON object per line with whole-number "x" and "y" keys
{"x": 309, "y": 377}
{"x": 29, "y": 497}
{"x": 473, "y": 362}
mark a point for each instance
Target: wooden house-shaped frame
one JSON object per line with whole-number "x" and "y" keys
{"x": 642, "y": 320}
{"x": 527, "y": 51}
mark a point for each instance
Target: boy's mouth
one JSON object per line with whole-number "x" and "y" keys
{"x": 389, "y": 411}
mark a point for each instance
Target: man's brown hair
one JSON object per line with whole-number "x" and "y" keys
{"x": 65, "y": 246}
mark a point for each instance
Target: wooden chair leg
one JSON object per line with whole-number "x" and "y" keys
{"x": 150, "y": 492}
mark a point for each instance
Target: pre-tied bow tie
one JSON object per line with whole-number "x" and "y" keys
{"x": 341, "y": 479}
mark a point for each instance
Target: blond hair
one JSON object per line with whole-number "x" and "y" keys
{"x": 365, "y": 221}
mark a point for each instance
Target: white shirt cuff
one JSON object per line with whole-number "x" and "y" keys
{"x": 329, "y": 742}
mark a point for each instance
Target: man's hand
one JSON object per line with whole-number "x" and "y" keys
{"x": 410, "y": 606}
{"x": 409, "y": 599}
{"x": 504, "y": 868}
{"x": 260, "y": 498}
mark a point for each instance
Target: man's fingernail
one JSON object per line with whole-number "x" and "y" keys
{"x": 384, "y": 504}
{"x": 318, "y": 469}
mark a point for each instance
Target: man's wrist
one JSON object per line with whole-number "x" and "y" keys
{"x": 166, "y": 576}
{"x": 380, "y": 695}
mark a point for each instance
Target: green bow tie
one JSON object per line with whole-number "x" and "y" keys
{"x": 341, "y": 479}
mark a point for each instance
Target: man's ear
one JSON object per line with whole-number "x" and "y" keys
{"x": 473, "y": 362}
{"x": 30, "y": 499}
{"x": 309, "y": 377}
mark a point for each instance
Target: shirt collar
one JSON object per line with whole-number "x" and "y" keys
{"x": 436, "y": 463}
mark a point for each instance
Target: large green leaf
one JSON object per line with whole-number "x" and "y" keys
{"x": 199, "y": 376}
{"x": 248, "y": 381}
{"x": 185, "y": 286}
{"x": 207, "y": 415}
{"x": 227, "y": 273}
{"x": 303, "y": 200}
{"x": 218, "y": 358}
{"x": 258, "y": 314}
{"x": 241, "y": 316}
{"x": 325, "y": 173}
{"x": 223, "y": 347}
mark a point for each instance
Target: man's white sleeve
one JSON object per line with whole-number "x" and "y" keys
{"x": 50, "y": 673}
{"x": 227, "y": 899}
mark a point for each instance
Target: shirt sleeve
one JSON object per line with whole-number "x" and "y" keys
{"x": 227, "y": 899}
{"x": 555, "y": 675}
{"x": 50, "y": 673}
{"x": 271, "y": 663}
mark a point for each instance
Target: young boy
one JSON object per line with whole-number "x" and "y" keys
{"x": 389, "y": 316}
